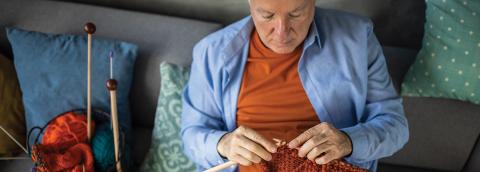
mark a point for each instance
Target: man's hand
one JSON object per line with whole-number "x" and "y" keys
{"x": 322, "y": 143}
{"x": 245, "y": 146}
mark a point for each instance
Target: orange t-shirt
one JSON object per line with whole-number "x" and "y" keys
{"x": 272, "y": 100}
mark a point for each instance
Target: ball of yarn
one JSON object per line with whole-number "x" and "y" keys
{"x": 102, "y": 147}
{"x": 67, "y": 128}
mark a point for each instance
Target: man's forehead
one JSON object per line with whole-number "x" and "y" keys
{"x": 271, "y": 5}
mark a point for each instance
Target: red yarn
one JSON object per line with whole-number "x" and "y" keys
{"x": 66, "y": 128}
{"x": 287, "y": 160}
{"x": 64, "y": 145}
{"x": 73, "y": 159}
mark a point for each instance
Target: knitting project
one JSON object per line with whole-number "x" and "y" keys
{"x": 287, "y": 160}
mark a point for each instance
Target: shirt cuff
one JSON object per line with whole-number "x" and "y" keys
{"x": 350, "y": 140}
{"x": 360, "y": 143}
{"x": 213, "y": 156}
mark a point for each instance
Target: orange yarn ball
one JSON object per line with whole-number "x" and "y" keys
{"x": 69, "y": 127}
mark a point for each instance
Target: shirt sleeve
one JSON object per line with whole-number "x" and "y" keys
{"x": 202, "y": 122}
{"x": 383, "y": 129}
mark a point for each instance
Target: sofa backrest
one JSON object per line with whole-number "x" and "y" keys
{"x": 160, "y": 38}
{"x": 397, "y": 23}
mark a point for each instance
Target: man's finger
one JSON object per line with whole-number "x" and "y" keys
{"x": 329, "y": 156}
{"x": 254, "y": 136}
{"x": 302, "y": 138}
{"x": 312, "y": 143}
{"x": 241, "y": 160}
{"x": 319, "y": 150}
{"x": 255, "y": 148}
{"x": 248, "y": 155}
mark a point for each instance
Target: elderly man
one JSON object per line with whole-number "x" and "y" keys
{"x": 315, "y": 78}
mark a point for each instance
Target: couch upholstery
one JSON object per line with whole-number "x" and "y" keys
{"x": 390, "y": 16}
{"x": 160, "y": 38}
{"x": 443, "y": 133}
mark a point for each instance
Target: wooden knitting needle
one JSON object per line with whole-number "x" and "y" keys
{"x": 89, "y": 28}
{"x": 112, "y": 87}
{"x": 221, "y": 166}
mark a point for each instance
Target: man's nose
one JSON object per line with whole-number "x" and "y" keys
{"x": 282, "y": 27}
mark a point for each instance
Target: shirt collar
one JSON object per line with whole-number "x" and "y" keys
{"x": 313, "y": 36}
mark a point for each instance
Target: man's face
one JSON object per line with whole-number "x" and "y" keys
{"x": 282, "y": 24}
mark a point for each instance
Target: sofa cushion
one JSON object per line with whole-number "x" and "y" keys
{"x": 12, "y": 117}
{"x": 448, "y": 65}
{"x": 435, "y": 124}
{"x": 166, "y": 152}
{"x": 399, "y": 168}
{"x": 443, "y": 133}
{"x": 52, "y": 72}
{"x": 473, "y": 164}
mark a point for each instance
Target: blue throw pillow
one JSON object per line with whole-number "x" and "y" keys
{"x": 52, "y": 72}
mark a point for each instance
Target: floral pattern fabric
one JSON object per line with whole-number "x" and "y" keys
{"x": 166, "y": 154}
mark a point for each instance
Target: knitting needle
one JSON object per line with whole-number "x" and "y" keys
{"x": 15, "y": 140}
{"x": 112, "y": 87}
{"x": 14, "y": 158}
{"x": 89, "y": 28}
{"x": 221, "y": 166}
{"x": 111, "y": 63}
{"x": 230, "y": 163}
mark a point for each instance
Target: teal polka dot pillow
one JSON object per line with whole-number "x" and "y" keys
{"x": 448, "y": 65}
{"x": 166, "y": 154}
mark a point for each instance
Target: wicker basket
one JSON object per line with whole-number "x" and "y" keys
{"x": 97, "y": 115}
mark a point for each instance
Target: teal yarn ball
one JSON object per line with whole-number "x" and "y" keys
{"x": 102, "y": 147}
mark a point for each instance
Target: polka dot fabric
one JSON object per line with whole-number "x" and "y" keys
{"x": 448, "y": 65}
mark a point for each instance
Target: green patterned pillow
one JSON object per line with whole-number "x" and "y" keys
{"x": 166, "y": 153}
{"x": 448, "y": 65}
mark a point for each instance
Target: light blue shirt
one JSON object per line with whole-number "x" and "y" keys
{"x": 343, "y": 72}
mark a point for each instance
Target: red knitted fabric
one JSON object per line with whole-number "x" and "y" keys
{"x": 287, "y": 160}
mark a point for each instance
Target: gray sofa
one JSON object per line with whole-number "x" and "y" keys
{"x": 443, "y": 133}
